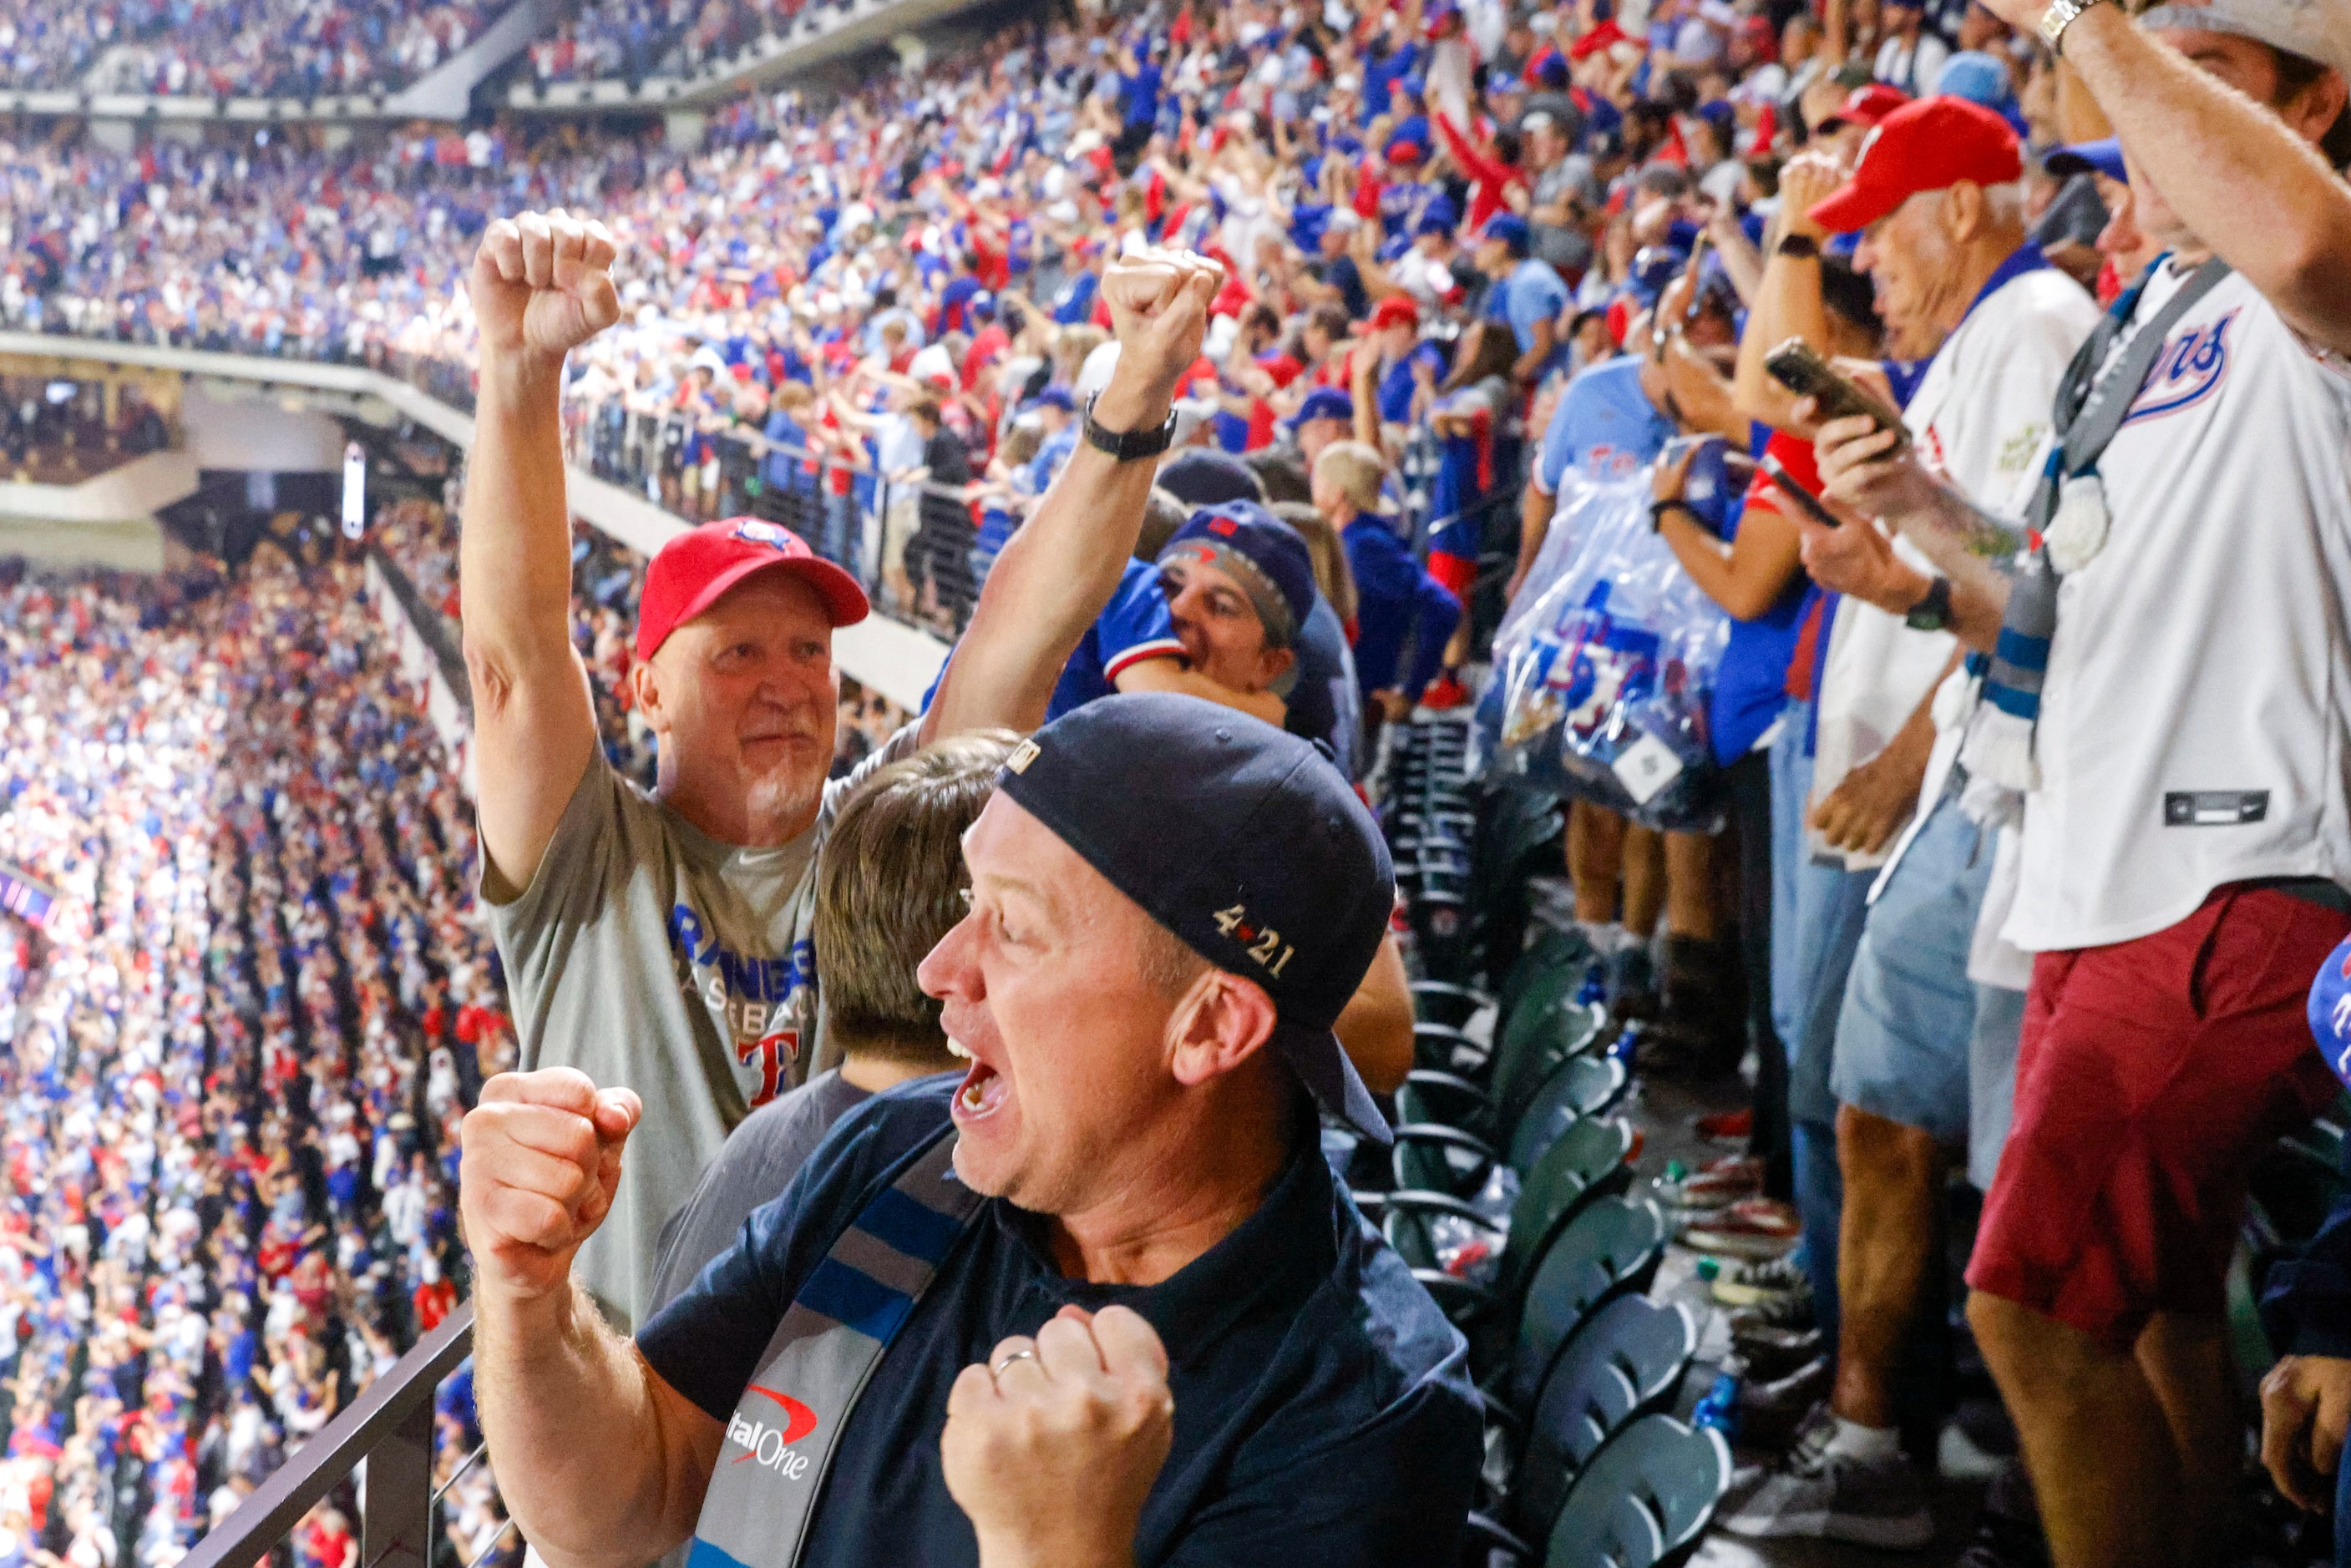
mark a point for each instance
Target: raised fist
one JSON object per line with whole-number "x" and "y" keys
{"x": 543, "y": 284}
{"x": 1159, "y": 308}
{"x": 1808, "y": 179}
{"x": 1052, "y": 1447}
{"x": 541, "y": 1160}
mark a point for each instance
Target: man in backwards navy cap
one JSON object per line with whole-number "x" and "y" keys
{"x": 1170, "y": 904}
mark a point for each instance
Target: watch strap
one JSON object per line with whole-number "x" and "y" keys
{"x": 2062, "y": 15}
{"x": 1128, "y": 446}
{"x": 1932, "y": 613}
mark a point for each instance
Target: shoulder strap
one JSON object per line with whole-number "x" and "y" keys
{"x": 781, "y": 1439}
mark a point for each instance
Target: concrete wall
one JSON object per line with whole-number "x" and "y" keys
{"x": 122, "y": 547}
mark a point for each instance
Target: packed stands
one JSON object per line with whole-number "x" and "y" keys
{"x": 1524, "y": 263}
{"x": 239, "y": 1054}
{"x": 294, "y": 48}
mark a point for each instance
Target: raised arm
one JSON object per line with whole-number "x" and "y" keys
{"x": 1787, "y": 301}
{"x": 601, "y": 1462}
{"x": 1060, "y": 570}
{"x": 541, "y": 286}
{"x": 2244, "y": 181}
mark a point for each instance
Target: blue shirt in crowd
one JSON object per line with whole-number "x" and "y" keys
{"x": 1605, "y": 426}
{"x": 1397, "y": 601}
{"x": 1533, "y": 295}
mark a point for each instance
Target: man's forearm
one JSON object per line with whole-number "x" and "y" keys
{"x": 576, "y": 1439}
{"x": 1955, "y": 536}
{"x": 1051, "y": 580}
{"x": 514, "y": 552}
{"x": 2242, "y": 183}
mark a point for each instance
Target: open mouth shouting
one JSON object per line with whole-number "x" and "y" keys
{"x": 984, "y": 1091}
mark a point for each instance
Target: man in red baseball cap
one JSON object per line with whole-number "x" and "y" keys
{"x": 1918, "y": 1011}
{"x": 661, "y": 939}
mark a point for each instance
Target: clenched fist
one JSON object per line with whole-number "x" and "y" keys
{"x": 541, "y": 1157}
{"x": 1051, "y": 1447}
{"x": 1159, "y": 308}
{"x": 543, "y": 284}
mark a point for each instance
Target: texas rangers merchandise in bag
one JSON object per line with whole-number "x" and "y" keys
{"x": 1606, "y": 667}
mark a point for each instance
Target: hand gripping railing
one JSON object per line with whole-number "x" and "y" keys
{"x": 389, "y": 1429}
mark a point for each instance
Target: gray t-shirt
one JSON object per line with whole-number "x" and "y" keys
{"x": 760, "y": 1158}
{"x": 652, "y": 957}
{"x": 1566, "y": 246}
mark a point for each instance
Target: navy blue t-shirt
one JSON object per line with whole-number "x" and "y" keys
{"x": 1322, "y": 1412}
{"x": 1324, "y": 704}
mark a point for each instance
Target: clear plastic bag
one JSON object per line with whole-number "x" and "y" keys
{"x": 1605, "y": 662}
{"x": 1467, "y": 1250}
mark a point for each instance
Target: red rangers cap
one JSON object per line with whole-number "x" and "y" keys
{"x": 694, "y": 570}
{"x": 1867, "y": 106}
{"x": 1929, "y": 145}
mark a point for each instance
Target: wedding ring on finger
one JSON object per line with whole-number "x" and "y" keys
{"x": 999, "y": 1369}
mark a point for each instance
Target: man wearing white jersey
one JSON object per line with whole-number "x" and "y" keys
{"x": 1934, "y": 196}
{"x": 2167, "y": 685}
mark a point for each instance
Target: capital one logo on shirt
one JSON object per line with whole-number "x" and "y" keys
{"x": 772, "y": 1446}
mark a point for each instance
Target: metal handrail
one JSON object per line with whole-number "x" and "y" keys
{"x": 389, "y": 1429}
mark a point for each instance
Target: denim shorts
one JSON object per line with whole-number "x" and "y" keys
{"x": 1908, "y": 1017}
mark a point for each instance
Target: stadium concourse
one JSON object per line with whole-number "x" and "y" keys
{"x": 1716, "y": 493}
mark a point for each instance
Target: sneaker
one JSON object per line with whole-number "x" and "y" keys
{"x": 1715, "y": 1185}
{"x": 1770, "y": 1414}
{"x": 1751, "y": 1284}
{"x": 1771, "y": 1352}
{"x": 1751, "y": 1228}
{"x": 1444, "y": 693}
{"x": 1778, "y": 1313}
{"x": 1727, "y": 1126}
{"x": 1819, "y": 1494}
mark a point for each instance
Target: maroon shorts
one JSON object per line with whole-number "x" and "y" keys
{"x": 2150, "y": 1076}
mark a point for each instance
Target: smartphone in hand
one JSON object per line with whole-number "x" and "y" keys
{"x": 1786, "y": 484}
{"x": 1799, "y": 367}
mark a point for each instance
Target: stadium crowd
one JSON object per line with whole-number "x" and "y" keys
{"x": 266, "y": 48}
{"x": 240, "y": 1053}
{"x": 1483, "y": 289}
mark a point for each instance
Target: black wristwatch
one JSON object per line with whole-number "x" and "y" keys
{"x": 1128, "y": 446}
{"x": 1932, "y": 613}
{"x": 1799, "y": 247}
{"x": 1658, "y": 510}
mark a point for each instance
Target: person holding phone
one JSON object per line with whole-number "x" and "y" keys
{"x": 1889, "y": 1041}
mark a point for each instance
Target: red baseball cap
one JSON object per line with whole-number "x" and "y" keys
{"x": 1867, "y": 106}
{"x": 694, "y": 570}
{"x": 1929, "y": 145}
{"x": 1396, "y": 310}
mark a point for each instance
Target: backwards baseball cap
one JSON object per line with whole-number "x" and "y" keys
{"x": 1324, "y": 404}
{"x": 1396, "y": 310}
{"x": 696, "y": 568}
{"x": 1866, "y": 107}
{"x": 2315, "y": 32}
{"x": 1258, "y": 856}
{"x": 2089, "y": 158}
{"x": 1262, "y": 554}
{"x": 1929, "y": 145}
